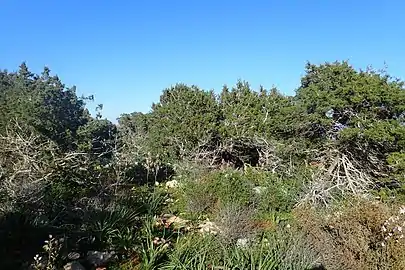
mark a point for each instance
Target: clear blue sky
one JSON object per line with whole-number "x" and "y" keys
{"x": 127, "y": 52}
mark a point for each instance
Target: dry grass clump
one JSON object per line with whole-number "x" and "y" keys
{"x": 353, "y": 238}
{"x": 236, "y": 222}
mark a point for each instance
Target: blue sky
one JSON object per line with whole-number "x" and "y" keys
{"x": 127, "y": 52}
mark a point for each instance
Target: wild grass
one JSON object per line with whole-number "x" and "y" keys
{"x": 270, "y": 251}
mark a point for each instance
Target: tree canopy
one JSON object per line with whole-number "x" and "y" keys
{"x": 44, "y": 103}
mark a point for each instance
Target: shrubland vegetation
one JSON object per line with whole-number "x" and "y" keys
{"x": 242, "y": 179}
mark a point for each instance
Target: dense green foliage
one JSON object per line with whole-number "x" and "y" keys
{"x": 43, "y": 102}
{"x": 185, "y": 118}
{"x": 240, "y": 179}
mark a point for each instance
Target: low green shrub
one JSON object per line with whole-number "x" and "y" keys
{"x": 205, "y": 195}
{"x": 265, "y": 191}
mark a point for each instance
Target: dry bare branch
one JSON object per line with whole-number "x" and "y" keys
{"x": 245, "y": 151}
{"x": 29, "y": 161}
{"x": 337, "y": 173}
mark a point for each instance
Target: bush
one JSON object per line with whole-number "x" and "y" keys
{"x": 236, "y": 223}
{"x": 215, "y": 189}
{"x": 276, "y": 192}
{"x": 351, "y": 236}
{"x": 268, "y": 192}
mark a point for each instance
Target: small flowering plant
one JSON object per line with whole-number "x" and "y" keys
{"x": 394, "y": 227}
{"x": 51, "y": 247}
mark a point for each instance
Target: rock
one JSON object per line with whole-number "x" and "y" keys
{"x": 177, "y": 221}
{"x": 209, "y": 227}
{"x": 74, "y": 266}
{"x": 100, "y": 258}
{"x": 172, "y": 184}
{"x": 73, "y": 256}
{"x": 169, "y": 200}
{"x": 259, "y": 190}
{"x": 242, "y": 242}
{"x": 171, "y": 220}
